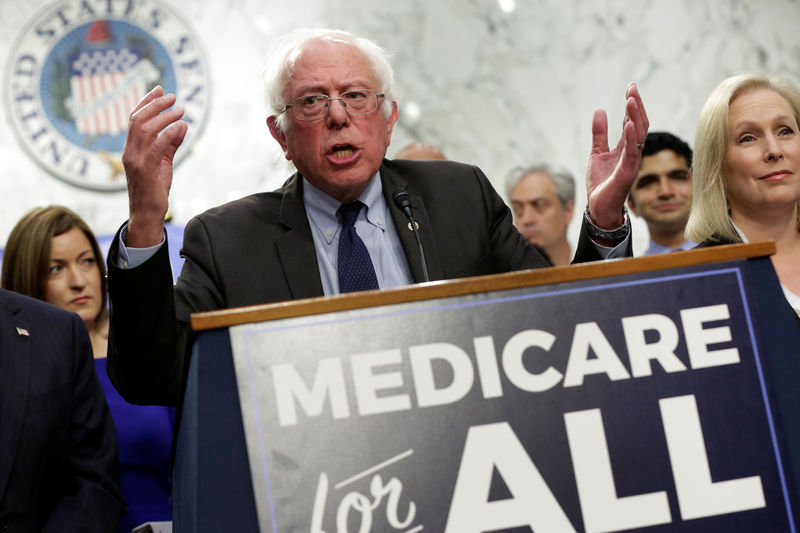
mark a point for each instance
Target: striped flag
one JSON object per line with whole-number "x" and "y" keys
{"x": 106, "y": 85}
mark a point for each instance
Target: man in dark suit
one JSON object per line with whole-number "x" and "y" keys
{"x": 58, "y": 448}
{"x": 333, "y": 115}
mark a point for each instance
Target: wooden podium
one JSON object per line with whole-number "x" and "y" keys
{"x": 656, "y": 394}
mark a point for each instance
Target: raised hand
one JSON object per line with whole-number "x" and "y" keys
{"x": 154, "y": 134}
{"x": 611, "y": 173}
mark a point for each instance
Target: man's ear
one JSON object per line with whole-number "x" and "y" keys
{"x": 632, "y": 206}
{"x": 569, "y": 209}
{"x": 390, "y": 122}
{"x": 278, "y": 135}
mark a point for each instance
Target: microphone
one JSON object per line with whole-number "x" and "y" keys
{"x": 403, "y": 202}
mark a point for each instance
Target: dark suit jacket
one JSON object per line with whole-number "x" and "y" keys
{"x": 58, "y": 448}
{"x": 259, "y": 249}
{"x": 717, "y": 240}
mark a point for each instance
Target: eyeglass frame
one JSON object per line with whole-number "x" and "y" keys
{"x": 328, "y": 104}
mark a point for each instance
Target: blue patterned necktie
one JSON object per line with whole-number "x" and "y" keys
{"x": 356, "y": 272}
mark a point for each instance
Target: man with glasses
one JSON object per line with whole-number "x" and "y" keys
{"x": 336, "y": 225}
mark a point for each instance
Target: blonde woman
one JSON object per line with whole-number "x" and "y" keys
{"x": 746, "y": 171}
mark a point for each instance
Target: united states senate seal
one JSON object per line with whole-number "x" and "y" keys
{"x": 78, "y": 68}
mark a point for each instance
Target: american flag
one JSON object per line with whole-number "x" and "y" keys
{"x": 22, "y": 332}
{"x": 106, "y": 85}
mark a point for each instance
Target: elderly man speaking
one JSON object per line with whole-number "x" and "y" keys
{"x": 337, "y": 225}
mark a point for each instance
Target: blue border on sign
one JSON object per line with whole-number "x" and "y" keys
{"x": 734, "y": 270}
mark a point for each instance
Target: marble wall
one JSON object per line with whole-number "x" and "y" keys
{"x": 497, "y": 83}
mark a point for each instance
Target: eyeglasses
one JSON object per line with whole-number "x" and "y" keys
{"x": 315, "y": 106}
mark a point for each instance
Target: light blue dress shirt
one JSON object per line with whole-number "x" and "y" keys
{"x": 656, "y": 248}
{"x": 375, "y": 227}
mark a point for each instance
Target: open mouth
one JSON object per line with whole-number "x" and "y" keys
{"x": 343, "y": 151}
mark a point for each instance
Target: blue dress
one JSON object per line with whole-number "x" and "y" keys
{"x": 145, "y": 455}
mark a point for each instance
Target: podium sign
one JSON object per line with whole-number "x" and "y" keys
{"x": 640, "y": 401}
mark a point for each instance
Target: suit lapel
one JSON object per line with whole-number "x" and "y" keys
{"x": 392, "y": 181}
{"x": 14, "y": 370}
{"x": 296, "y": 245}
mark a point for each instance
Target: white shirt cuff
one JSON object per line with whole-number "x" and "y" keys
{"x": 133, "y": 257}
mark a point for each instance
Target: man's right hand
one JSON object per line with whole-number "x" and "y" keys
{"x": 147, "y": 158}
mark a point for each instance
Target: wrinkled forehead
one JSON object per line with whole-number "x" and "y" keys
{"x": 759, "y": 95}
{"x": 329, "y": 61}
{"x": 536, "y": 184}
{"x": 538, "y": 179}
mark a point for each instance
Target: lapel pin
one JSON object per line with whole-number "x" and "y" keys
{"x": 22, "y": 332}
{"x": 416, "y": 224}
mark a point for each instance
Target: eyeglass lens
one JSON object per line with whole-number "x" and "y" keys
{"x": 314, "y": 106}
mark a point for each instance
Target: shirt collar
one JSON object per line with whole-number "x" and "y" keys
{"x": 321, "y": 208}
{"x": 656, "y": 248}
{"x": 740, "y": 232}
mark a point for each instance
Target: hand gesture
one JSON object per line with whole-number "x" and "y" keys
{"x": 154, "y": 134}
{"x": 611, "y": 173}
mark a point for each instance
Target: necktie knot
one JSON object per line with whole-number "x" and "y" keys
{"x": 349, "y": 213}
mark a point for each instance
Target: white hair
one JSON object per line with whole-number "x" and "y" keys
{"x": 284, "y": 54}
{"x": 563, "y": 181}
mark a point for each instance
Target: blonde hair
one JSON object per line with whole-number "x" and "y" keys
{"x": 709, "y": 218}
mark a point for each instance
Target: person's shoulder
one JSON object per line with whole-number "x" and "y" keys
{"x": 427, "y": 166}
{"x": 31, "y": 312}
{"x": 255, "y": 205}
{"x": 247, "y": 204}
{"x": 715, "y": 240}
{"x": 433, "y": 175}
{"x": 14, "y": 303}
